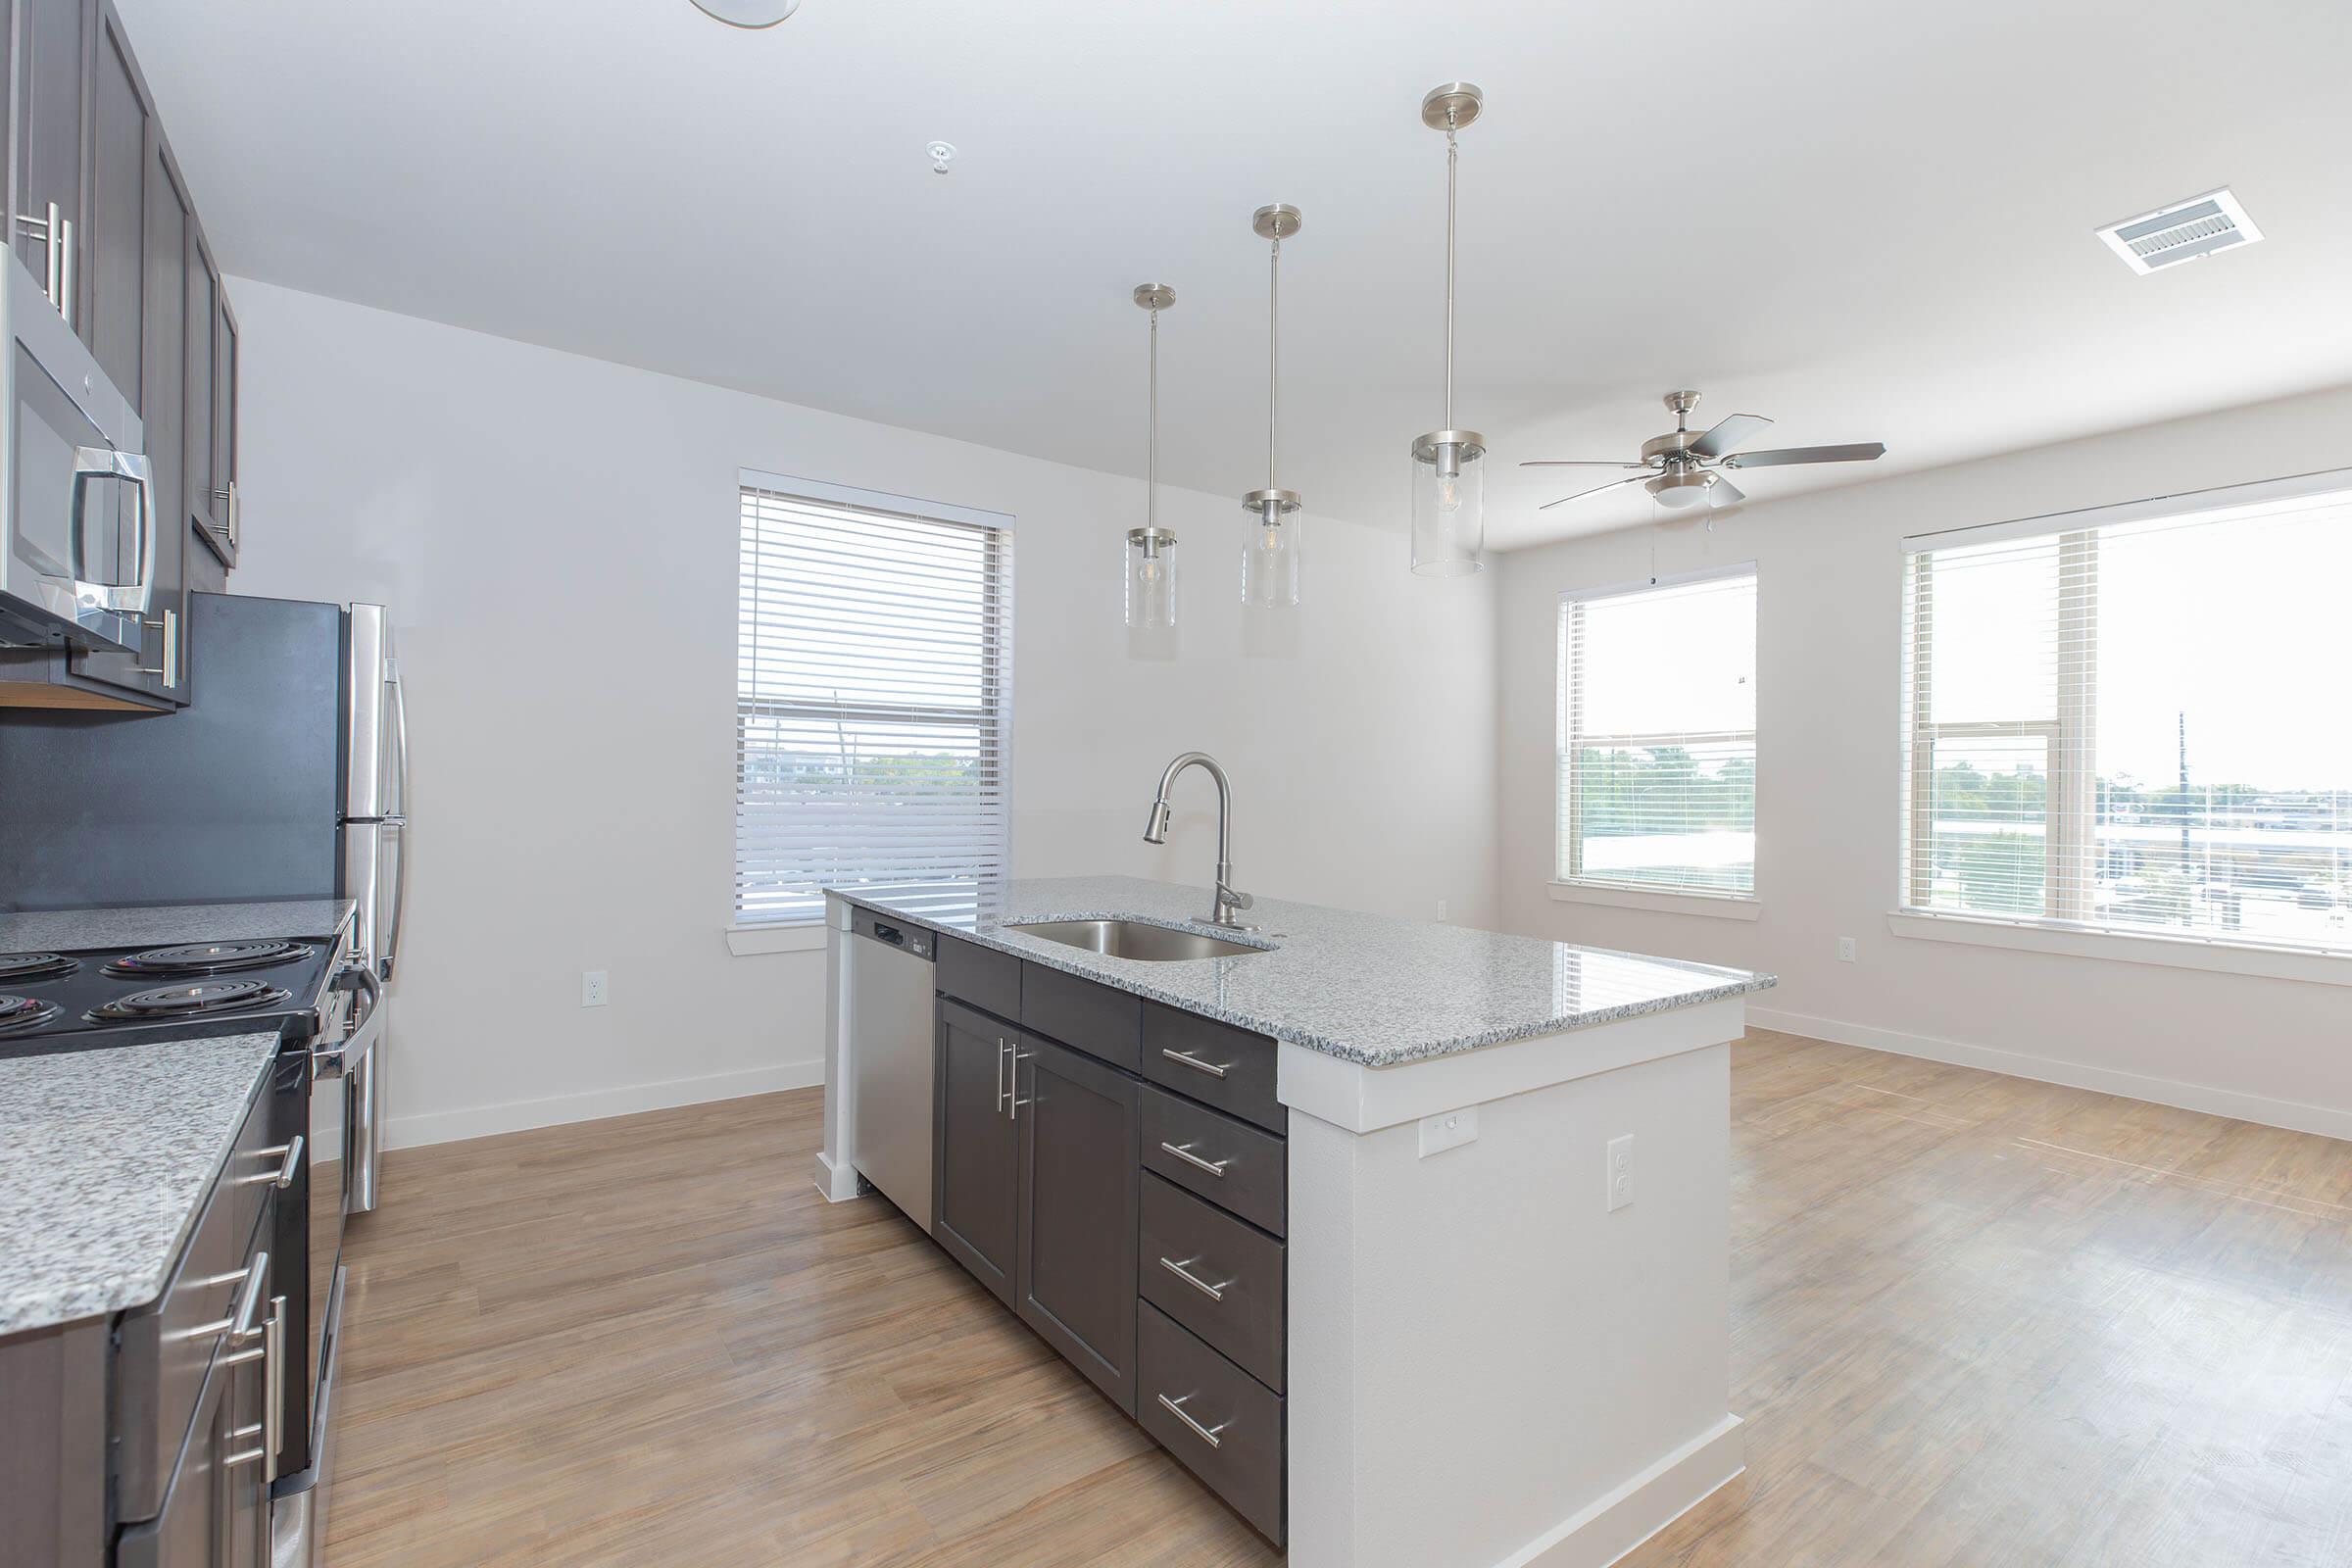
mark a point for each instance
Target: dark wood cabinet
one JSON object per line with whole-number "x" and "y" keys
{"x": 1079, "y": 1125}
{"x": 210, "y": 436}
{"x": 57, "y": 38}
{"x": 216, "y": 1513}
{"x": 975, "y": 1208}
{"x": 122, "y": 130}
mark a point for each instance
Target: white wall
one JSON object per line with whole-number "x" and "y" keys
{"x": 1829, "y": 634}
{"x": 556, "y": 538}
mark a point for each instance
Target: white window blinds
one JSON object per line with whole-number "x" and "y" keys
{"x": 873, "y": 702}
{"x": 2126, "y": 720}
{"x": 1657, "y": 736}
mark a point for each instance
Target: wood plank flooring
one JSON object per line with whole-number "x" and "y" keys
{"x": 1977, "y": 1321}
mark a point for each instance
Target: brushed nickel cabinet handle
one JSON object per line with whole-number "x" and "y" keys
{"x": 64, "y": 266}
{"x": 1184, "y": 1151}
{"x": 1194, "y": 1062}
{"x": 289, "y": 1160}
{"x": 1014, "y": 1107}
{"x": 1207, "y": 1434}
{"x": 1184, "y": 1272}
{"x": 1001, "y": 1049}
{"x": 244, "y": 1456}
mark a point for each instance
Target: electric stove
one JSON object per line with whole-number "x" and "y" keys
{"x": 78, "y": 1001}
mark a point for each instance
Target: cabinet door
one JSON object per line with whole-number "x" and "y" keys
{"x": 207, "y": 438}
{"x": 975, "y": 1172}
{"x": 120, "y": 135}
{"x": 54, "y": 74}
{"x": 216, "y": 1512}
{"x": 1079, "y": 1122}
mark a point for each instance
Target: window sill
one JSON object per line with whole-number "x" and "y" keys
{"x": 1716, "y": 906}
{"x": 744, "y": 940}
{"x": 2166, "y": 951}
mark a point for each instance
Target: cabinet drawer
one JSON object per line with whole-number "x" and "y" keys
{"x": 1223, "y": 1424}
{"x": 981, "y": 976}
{"x": 1214, "y": 1275}
{"x": 1083, "y": 1014}
{"x": 165, "y": 1349}
{"x": 1231, "y": 1163}
{"x": 1230, "y": 1068}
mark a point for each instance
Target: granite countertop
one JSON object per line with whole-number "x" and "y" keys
{"x": 104, "y": 1155}
{"x": 168, "y": 924}
{"x": 1366, "y": 988}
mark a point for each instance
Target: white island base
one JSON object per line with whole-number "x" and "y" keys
{"x": 1488, "y": 1364}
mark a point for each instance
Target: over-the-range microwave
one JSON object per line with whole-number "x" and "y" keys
{"x": 77, "y": 493}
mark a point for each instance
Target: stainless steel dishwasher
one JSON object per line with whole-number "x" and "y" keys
{"x": 891, "y": 1054}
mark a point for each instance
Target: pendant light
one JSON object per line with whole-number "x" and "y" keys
{"x": 748, "y": 13}
{"x": 1450, "y": 521}
{"x": 1270, "y": 550}
{"x": 1152, "y": 548}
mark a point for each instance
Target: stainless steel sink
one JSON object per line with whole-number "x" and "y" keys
{"x": 1133, "y": 938}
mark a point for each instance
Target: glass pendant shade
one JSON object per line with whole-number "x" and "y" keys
{"x": 1450, "y": 515}
{"x": 1270, "y": 549}
{"x": 1150, "y": 578}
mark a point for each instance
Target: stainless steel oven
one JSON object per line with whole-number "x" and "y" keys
{"x": 343, "y": 1137}
{"x": 77, "y": 495}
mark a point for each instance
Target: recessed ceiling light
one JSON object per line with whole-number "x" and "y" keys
{"x": 2184, "y": 231}
{"x": 749, "y": 13}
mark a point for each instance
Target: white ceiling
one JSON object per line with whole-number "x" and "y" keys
{"x": 1868, "y": 220}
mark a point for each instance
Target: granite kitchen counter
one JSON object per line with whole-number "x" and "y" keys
{"x": 104, "y": 1155}
{"x": 1369, "y": 988}
{"x": 166, "y": 926}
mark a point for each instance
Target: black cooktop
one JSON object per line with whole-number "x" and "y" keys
{"x": 52, "y": 1001}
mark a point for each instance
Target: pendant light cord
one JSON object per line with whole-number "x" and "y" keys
{"x": 1152, "y": 461}
{"x": 1274, "y": 354}
{"x": 1452, "y": 157}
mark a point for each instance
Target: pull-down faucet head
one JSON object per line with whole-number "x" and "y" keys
{"x": 1156, "y": 830}
{"x": 1228, "y": 903}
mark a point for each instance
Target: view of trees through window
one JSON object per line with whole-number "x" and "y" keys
{"x": 2114, "y": 726}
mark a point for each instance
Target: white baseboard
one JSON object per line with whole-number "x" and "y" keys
{"x": 518, "y": 1115}
{"x": 839, "y": 1183}
{"x": 1616, "y": 1523}
{"x": 2293, "y": 1115}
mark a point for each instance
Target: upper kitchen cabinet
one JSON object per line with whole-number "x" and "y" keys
{"x": 134, "y": 273}
{"x": 210, "y": 442}
{"x": 51, "y": 121}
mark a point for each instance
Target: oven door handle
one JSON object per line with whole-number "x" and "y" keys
{"x": 333, "y": 1061}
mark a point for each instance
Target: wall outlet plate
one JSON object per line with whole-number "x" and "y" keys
{"x": 1448, "y": 1129}
{"x": 1621, "y": 1172}
{"x": 593, "y": 987}
{"x": 1846, "y": 949}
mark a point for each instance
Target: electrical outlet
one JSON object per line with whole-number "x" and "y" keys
{"x": 1846, "y": 949}
{"x": 1440, "y": 909}
{"x": 592, "y": 988}
{"x": 1448, "y": 1129}
{"x": 1621, "y": 1172}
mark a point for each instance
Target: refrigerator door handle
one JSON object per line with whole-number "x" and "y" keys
{"x": 400, "y": 892}
{"x": 400, "y": 742}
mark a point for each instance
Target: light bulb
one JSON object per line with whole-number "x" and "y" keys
{"x": 1449, "y": 494}
{"x": 1150, "y": 571}
{"x": 1269, "y": 537}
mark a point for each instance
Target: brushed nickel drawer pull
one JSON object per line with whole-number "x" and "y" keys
{"x": 1001, "y": 1049}
{"x": 1184, "y": 1272}
{"x": 1194, "y": 1062}
{"x": 289, "y": 1160}
{"x": 1207, "y": 1434}
{"x": 1184, "y": 1151}
{"x": 238, "y": 1325}
{"x": 245, "y": 1456}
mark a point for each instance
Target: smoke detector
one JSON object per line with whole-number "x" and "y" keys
{"x": 2183, "y": 231}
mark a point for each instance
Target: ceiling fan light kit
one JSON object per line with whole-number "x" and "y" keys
{"x": 1150, "y": 559}
{"x": 1685, "y": 469}
{"x": 1270, "y": 552}
{"x": 1450, "y": 519}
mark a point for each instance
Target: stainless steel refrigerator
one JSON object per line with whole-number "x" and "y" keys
{"x": 284, "y": 777}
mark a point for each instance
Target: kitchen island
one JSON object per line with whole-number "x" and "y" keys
{"x": 1477, "y": 1311}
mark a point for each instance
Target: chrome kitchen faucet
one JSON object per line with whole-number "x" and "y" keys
{"x": 1156, "y": 831}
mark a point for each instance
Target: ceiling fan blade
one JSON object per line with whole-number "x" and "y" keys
{"x": 1578, "y": 462}
{"x": 1858, "y": 452}
{"x": 1595, "y": 490}
{"x": 1724, "y": 492}
{"x": 1730, "y": 434}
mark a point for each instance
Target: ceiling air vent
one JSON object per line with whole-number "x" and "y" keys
{"x": 2181, "y": 232}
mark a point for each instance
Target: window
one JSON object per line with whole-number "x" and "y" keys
{"x": 1657, "y": 737}
{"x": 2125, "y": 722}
{"x": 872, "y": 698}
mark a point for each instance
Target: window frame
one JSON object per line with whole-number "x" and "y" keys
{"x": 992, "y": 720}
{"x": 2071, "y": 811}
{"x": 1569, "y": 882}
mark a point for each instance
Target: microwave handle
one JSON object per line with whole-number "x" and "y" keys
{"x": 105, "y": 463}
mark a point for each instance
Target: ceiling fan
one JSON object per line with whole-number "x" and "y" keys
{"x": 1684, "y": 467}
